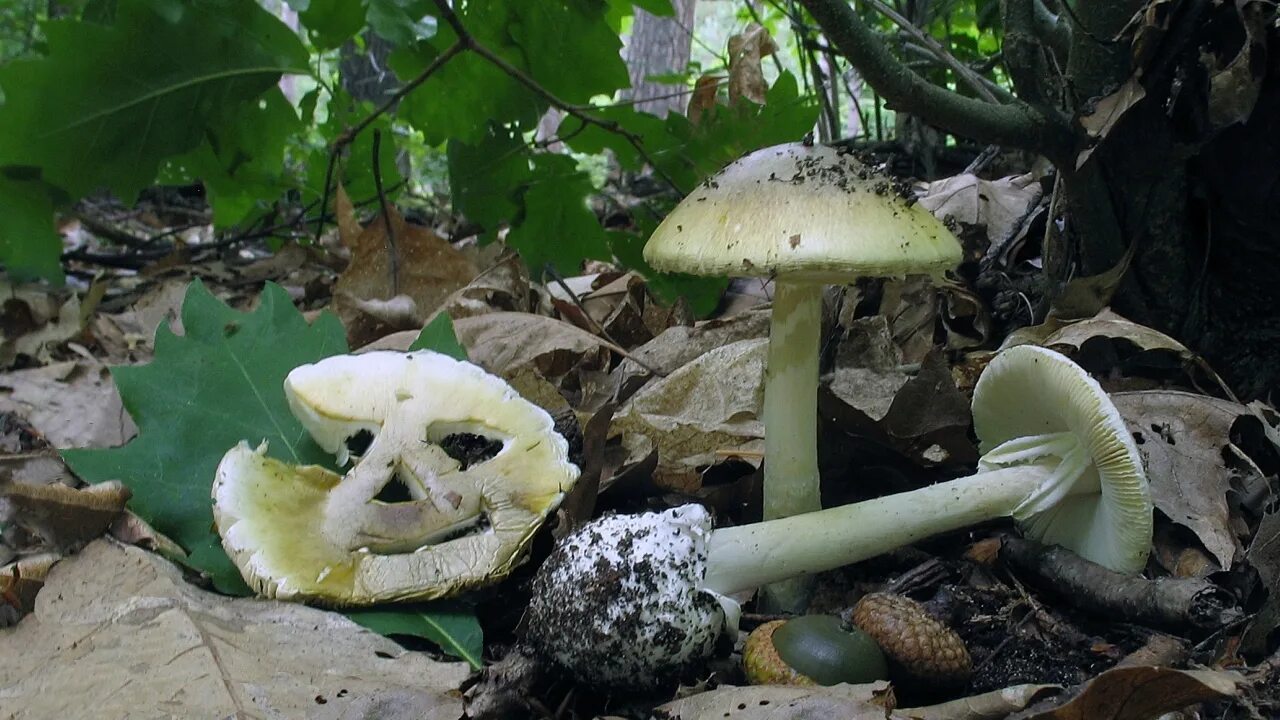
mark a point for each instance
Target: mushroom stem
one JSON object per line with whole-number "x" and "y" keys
{"x": 791, "y": 418}
{"x": 748, "y": 556}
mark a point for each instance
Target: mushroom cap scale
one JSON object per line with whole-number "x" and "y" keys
{"x": 1029, "y": 391}
{"x": 299, "y": 532}
{"x": 809, "y": 212}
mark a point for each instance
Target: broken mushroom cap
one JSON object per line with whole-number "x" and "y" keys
{"x": 307, "y": 533}
{"x": 619, "y": 603}
{"x": 811, "y": 212}
{"x": 1032, "y": 402}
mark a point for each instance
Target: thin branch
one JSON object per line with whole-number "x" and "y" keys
{"x": 469, "y": 42}
{"x": 350, "y": 133}
{"x": 962, "y": 71}
{"x": 1025, "y": 57}
{"x": 393, "y": 250}
{"x": 1015, "y": 124}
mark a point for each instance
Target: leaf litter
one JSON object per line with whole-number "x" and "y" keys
{"x": 686, "y": 425}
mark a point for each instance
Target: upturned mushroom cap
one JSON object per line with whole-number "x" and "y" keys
{"x": 809, "y": 212}
{"x": 1032, "y": 402}
{"x": 620, "y": 601}
{"x": 310, "y": 534}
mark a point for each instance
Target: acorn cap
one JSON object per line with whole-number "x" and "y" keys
{"x": 810, "y": 212}
{"x": 922, "y": 652}
{"x": 305, "y": 532}
{"x": 1028, "y": 391}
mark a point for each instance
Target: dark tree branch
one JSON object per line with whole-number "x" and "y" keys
{"x": 1014, "y": 124}
{"x": 1024, "y": 56}
{"x": 1053, "y": 30}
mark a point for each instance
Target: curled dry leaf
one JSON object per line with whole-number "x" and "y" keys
{"x": 680, "y": 344}
{"x": 20, "y": 583}
{"x": 1141, "y": 693}
{"x": 777, "y": 702}
{"x": 184, "y": 652}
{"x": 1234, "y": 88}
{"x": 1182, "y": 437}
{"x": 699, "y": 413}
{"x": 1264, "y": 556}
{"x": 1001, "y": 206}
{"x": 1107, "y": 112}
{"x": 501, "y": 342}
{"x": 747, "y": 51}
{"x": 62, "y": 517}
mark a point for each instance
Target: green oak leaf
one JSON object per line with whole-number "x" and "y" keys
{"x": 558, "y": 227}
{"x": 205, "y": 391}
{"x": 355, "y": 166}
{"x": 451, "y": 626}
{"x": 485, "y": 178}
{"x": 402, "y": 22}
{"x": 330, "y": 23}
{"x": 569, "y": 48}
{"x": 29, "y": 246}
{"x": 241, "y": 160}
{"x": 108, "y": 103}
{"x": 438, "y": 335}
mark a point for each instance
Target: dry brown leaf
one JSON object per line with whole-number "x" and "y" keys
{"x": 501, "y": 342}
{"x": 118, "y": 630}
{"x": 680, "y": 344}
{"x": 868, "y": 370}
{"x": 63, "y": 518}
{"x": 1182, "y": 437}
{"x": 1001, "y": 206}
{"x": 1234, "y": 89}
{"x": 776, "y": 702}
{"x": 73, "y": 404}
{"x": 20, "y": 584}
{"x": 412, "y": 262}
{"x": 1264, "y": 556}
{"x": 1107, "y": 112}
{"x": 34, "y": 323}
{"x": 703, "y": 98}
{"x": 1142, "y": 693}
{"x": 747, "y": 51}
{"x": 503, "y": 286}
{"x": 707, "y": 409}
{"x": 987, "y": 706}
{"x": 127, "y": 336}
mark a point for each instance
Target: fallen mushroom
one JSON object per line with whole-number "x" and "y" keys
{"x": 307, "y": 533}
{"x": 806, "y": 215}
{"x": 636, "y": 600}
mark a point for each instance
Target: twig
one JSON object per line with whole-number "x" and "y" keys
{"x": 393, "y": 251}
{"x": 468, "y": 42}
{"x": 1171, "y": 601}
{"x": 964, "y": 72}
{"x": 559, "y": 280}
{"x": 1013, "y": 123}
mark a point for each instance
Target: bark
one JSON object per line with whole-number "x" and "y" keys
{"x": 658, "y": 46}
{"x": 1199, "y": 204}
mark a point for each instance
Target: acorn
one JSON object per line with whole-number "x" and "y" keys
{"x": 922, "y": 652}
{"x": 811, "y": 650}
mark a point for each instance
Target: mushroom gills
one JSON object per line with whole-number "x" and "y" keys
{"x": 1069, "y": 476}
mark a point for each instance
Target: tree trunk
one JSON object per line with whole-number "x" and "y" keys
{"x": 658, "y": 46}
{"x": 1200, "y": 205}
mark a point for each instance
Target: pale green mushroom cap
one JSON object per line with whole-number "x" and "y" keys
{"x": 307, "y": 533}
{"x": 809, "y": 212}
{"x": 1032, "y": 402}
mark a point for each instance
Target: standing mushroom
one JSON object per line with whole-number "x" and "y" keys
{"x": 806, "y": 215}
{"x": 636, "y": 600}
{"x": 310, "y": 534}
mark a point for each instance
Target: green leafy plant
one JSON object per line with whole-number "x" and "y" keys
{"x": 120, "y": 95}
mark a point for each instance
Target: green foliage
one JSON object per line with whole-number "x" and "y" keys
{"x": 453, "y": 627}
{"x": 186, "y": 91}
{"x": 108, "y": 103}
{"x": 438, "y": 335}
{"x": 220, "y": 382}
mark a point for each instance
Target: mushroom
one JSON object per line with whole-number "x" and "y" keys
{"x": 637, "y": 600}
{"x": 812, "y": 650}
{"x": 307, "y": 533}
{"x": 806, "y": 215}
